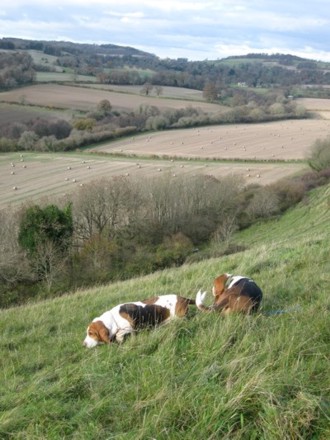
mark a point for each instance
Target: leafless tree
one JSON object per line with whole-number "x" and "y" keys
{"x": 146, "y": 89}
{"x": 102, "y": 206}
{"x": 13, "y": 262}
{"x": 159, "y": 90}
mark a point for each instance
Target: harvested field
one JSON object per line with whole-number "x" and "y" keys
{"x": 320, "y": 106}
{"x": 43, "y": 175}
{"x": 284, "y": 140}
{"x": 86, "y": 98}
{"x": 167, "y": 91}
{"x": 194, "y": 151}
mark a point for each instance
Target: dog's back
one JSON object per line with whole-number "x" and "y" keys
{"x": 148, "y": 315}
{"x": 177, "y": 305}
{"x": 243, "y": 296}
{"x": 232, "y": 294}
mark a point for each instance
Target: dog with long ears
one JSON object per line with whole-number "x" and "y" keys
{"x": 127, "y": 318}
{"x": 232, "y": 293}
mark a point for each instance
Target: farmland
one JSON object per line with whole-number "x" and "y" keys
{"x": 21, "y": 113}
{"x": 86, "y": 98}
{"x": 285, "y": 140}
{"x": 57, "y": 174}
{"x": 261, "y": 153}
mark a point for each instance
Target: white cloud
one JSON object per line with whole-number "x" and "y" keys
{"x": 177, "y": 28}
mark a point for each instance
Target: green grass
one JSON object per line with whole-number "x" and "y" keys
{"x": 63, "y": 77}
{"x": 205, "y": 377}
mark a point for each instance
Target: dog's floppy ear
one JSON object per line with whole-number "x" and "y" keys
{"x": 102, "y": 331}
{"x": 219, "y": 284}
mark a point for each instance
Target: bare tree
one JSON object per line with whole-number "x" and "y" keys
{"x": 49, "y": 264}
{"x": 159, "y": 90}
{"x": 101, "y": 206}
{"x": 210, "y": 91}
{"x": 146, "y": 89}
{"x": 14, "y": 265}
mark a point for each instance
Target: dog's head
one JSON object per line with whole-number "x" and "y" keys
{"x": 97, "y": 334}
{"x": 219, "y": 284}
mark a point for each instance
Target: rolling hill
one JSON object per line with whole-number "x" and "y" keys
{"x": 260, "y": 377}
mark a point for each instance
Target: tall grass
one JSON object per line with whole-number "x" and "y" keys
{"x": 204, "y": 377}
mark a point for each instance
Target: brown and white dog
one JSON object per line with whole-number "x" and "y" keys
{"x": 232, "y": 293}
{"x": 127, "y": 318}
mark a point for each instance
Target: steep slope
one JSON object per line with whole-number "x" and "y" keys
{"x": 261, "y": 377}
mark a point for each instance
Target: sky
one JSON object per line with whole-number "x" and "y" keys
{"x": 197, "y": 30}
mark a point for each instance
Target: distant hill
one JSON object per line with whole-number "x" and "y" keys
{"x": 67, "y": 47}
{"x": 113, "y": 64}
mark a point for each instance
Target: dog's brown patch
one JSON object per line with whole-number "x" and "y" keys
{"x": 245, "y": 297}
{"x": 98, "y": 331}
{"x": 219, "y": 285}
{"x": 152, "y": 300}
{"x": 181, "y": 307}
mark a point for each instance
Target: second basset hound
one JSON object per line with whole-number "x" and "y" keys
{"x": 127, "y": 318}
{"x": 232, "y": 293}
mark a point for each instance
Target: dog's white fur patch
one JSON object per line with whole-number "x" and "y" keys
{"x": 200, "y": 297}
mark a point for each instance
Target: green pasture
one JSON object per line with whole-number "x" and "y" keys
{"x": 23, "y": 112}
{"x": 64, "y": 77}
{"x": 205, "y": 377}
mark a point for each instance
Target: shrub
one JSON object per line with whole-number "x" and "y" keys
{"x": 264, "y": 203}
{"x": 28, "y": 140}
{"x": 49, "y": 223}
{"x": 98, "y": 261}
{"x": 84, "y": 124}
{"x": 61, "y": 129}
{"x": 288, "y": 191}
{"x": 7, "y": 144}
{"x": 104, "y": 106}
{"x": 319, "y": 158}
{"x": 173, "y": 251}
{"x": 45, "y": 233}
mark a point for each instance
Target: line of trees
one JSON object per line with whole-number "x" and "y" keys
{"x": 104, "y": 124}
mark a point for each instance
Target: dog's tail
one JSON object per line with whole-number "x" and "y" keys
{"x": 200, "y": 298}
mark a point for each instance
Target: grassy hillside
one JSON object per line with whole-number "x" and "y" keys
{"x": 206, "y": 377}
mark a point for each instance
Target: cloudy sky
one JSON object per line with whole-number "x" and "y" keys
{"x": 196, "y": 30}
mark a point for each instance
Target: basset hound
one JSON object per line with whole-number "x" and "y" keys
{"x": 232, "y": 293}
{"x": 127, "y": 318}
